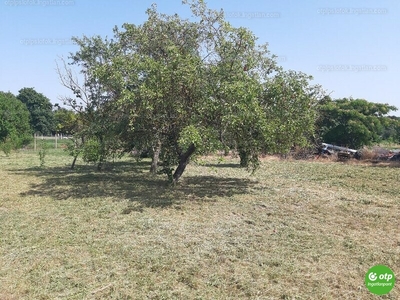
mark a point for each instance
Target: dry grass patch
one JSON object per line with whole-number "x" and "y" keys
{"x": 294, "y": 230}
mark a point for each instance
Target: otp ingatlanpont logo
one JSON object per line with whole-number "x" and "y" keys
{"x": 379, "y": 280}
{"x": 372, "y": 276}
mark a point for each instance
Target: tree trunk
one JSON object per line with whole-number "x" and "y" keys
{"x": 73, "y": 162}
{"x": 183, "y": 161}
{"x": 102, "y": 157}
{"x": 77, "y": 151}
{"x": 100, "y": 163}
{"x": 156, "y": 157}
{"x": 226, "y": 151}
{"x": 244, "y": 158}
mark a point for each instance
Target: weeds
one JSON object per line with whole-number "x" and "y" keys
{"x": 42, "y": 153}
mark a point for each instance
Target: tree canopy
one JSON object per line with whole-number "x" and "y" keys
{"x": 291, "y": 106}
{"x": 352, "y": 122}
{"x": 65, "y": 121}
{"x": 181, "y": 87}
{"x": 15, "y": 130}
{"x": 391, "y": 132}
{"x": 40, "y": 109}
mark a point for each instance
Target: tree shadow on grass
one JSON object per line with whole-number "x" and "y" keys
{"x": 130, "y": 181}
{"x": 223, "y": 165}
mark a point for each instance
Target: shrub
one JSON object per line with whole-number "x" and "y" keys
{"x": 366, "y": 154}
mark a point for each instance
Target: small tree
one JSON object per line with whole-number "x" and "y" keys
{"x": 42, "y": 153}
{"x": 96, "y": 117}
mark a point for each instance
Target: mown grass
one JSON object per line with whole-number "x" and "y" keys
{"x": 293, "y": 230}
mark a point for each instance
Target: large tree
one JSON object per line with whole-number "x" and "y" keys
{"x": 189, "y": 84}
{"x": 180, "y": 87}
{"x": 40, "y": 109}
{"x": 352, "y": 122}
{"x": 15, "y": 130}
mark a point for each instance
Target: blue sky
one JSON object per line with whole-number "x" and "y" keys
{"x": 351, "y": 48}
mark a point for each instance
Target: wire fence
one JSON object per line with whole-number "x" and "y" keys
{"x": 55, "y": 141}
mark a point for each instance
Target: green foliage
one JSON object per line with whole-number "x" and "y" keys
{"x": 14, "y": 123}
{"x": 290, "y": 104}
{"x": 167, "y": 170}
{"x": 6, "y": 146}
{"x": 66, "y": 121}
{"x": 190, "y": 135}
{"x": 95, "y": 115}
{"x": 40, "y": 109}
{"x": 352, "y": 122}
{"x": 43, "y": 152}
{"x": 187, "y": 87}
{"x": 91, "y": 151}
{"x": 391, "y": 132}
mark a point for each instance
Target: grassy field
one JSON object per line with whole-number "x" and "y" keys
{"x": 293, "y": 230}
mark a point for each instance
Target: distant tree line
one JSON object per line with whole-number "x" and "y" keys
{"x": 356, "y": 122}
{"x": 15, "y": 130}
{"x": 31, "y": 113}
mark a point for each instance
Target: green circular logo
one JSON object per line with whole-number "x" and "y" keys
{"x": 379, "y": 280}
